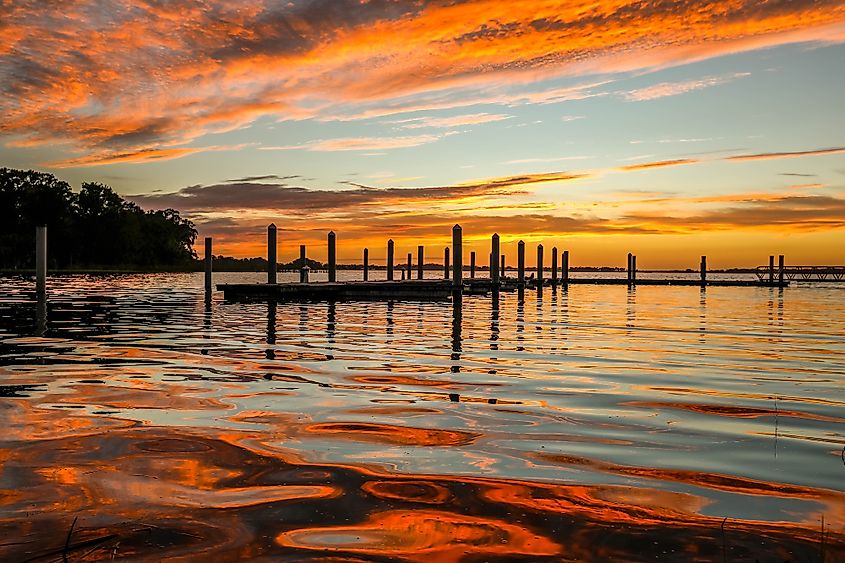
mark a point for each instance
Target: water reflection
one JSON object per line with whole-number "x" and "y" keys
{"x": 598, "y": 425}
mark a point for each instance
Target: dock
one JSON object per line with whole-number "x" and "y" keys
{"x": 455, "y": 282}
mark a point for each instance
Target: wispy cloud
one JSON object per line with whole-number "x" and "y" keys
{"x": 143, "y": 155}
{"x": 665, "y": 89}
{"x": 360, "y": 144}
{"x": 449, "y": 122}
{"x": 795, "y": 154}
{"x": 657, "y": 164}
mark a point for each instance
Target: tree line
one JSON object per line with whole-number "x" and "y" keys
{"x": 95, "y": 228}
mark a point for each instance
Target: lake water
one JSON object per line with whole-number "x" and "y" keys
{"x": 596, "y": 423}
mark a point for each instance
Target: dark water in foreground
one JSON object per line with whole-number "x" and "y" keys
{"x": 598, "y": 423}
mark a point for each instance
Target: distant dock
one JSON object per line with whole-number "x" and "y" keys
{"x": 455, "y": 280}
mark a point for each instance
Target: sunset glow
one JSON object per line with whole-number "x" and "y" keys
{"x": 666, "y": 129}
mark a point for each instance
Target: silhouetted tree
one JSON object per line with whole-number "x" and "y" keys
{"x": 95, "y": 228}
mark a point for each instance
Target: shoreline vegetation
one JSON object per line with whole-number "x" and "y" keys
{"x": 93, "y": 229}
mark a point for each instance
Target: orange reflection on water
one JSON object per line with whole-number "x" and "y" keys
{"x": 418, "y": 535}
{"x": 392, "y": 434}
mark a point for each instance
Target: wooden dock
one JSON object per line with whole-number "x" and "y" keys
{"x": 433, "y": 290}
{"x": 407, "y": 289}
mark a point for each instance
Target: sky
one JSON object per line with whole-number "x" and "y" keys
{"x": 670, "y": 129}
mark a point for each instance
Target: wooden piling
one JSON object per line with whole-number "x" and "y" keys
{"x": 271, "y": 253}
{"x": 420, "y": 261}
{"x": 634, "y": 269}
{"x": 303, "y": 262}
{"x": 564, "y": 273}
{"x": 472, "y": 264}
{"x": 780, "y": 269}
{"x": 41, "y": 261}
{"x": 366, "y": 264}
{"x": 630, "y": 279}
{"x": 502, "y": 267}
{"x": 332, "y": 257}
{"x": 457, "y": 257}
{"x": 520, "y": 263}
{"x": 410, "y": 265}
{"x": 554, "y": 265}
{"x": 208, "y": 259}
{"x": 539, "y": 265}
{"x": 771, "y": 269}
{"x": 446, "y": 263}
{"x": 703, "y": 270}
{"x": 390, "y": 260}
{"x": 494, "y": 259}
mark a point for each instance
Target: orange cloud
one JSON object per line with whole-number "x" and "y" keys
{"x": 153, "y": 76}
{"x": 795, "y": 154}
{"x": 657, "y": 164}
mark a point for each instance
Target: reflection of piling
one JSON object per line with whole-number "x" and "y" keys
{"x": 494, "y": 259}
{"x": 554, "y": 265}
{"x": 41, "y": 261}
{"x": 271, "y": 253}
{"x": 539, "y": 265}
{"x": 390, "y": 260}
{"x": 208, "y": 258}
{"x": 771, "y": 269}
{"x": 303, "y": 262}
{"x": 420, "y": 261}
{"x": 41, "y": 313}
{"x": 446, "y": 263}
{"x": 564, "y": 268}
{"x": 780, "y": 269}
{"x": 332, "y": 257}
{"x": 703, "y": 270}
{"x": 472, "y": 264}
{"x": 520, "y": 263}
{"x": 457, "y": 257}
{"x": 366, "y": 264}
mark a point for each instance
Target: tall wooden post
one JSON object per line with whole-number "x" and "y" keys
{"x": 554, "y": 265}
{"x": 208, "y": 259}
{"x": 539, "y": 265}
{"x": 771, "y": 269}
{"x": 410, "y": 265}
{"x": 564, "y": 268}
{"x": 420, "y": 260}
{"x": 520, "y": 263}
{"x": 271, "y": 253}
{"x": 634, "y": 269}
{"x": 390, "y": 260}
{"x": 41, "y": 261}
{"x": 780, "y": 269}
{"x": 703, "y": 270}
{"x": 303, "y": 262}
{"x": 472, "y": 264}
{"x": 366, "y": 264}
{"x": 457, "y": 257}
{"x": 494, "y": 259}
{"x": 446, "y": 263}
{"x": 332, "y": 257}
{"x": 502, "y": 267}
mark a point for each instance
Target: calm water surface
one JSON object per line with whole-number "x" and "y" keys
{"x": 597, "y": 423}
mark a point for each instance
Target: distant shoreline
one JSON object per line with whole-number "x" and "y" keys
{"x": 347, "y": 267}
